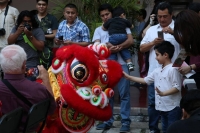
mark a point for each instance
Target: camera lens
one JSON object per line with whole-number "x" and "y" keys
{"x": 2, "y": 31}
{"x": 28, "y": 26}
{"x": 49, "y": 31}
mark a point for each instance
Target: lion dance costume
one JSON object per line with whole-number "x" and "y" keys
{"x": 82, "y": 80}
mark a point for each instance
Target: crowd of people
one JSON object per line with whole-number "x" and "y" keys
{"x": 28, "y": 32}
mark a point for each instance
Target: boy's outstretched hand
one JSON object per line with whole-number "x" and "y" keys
{"x": 135, "y": 79}
{"x": 126, "y": 75}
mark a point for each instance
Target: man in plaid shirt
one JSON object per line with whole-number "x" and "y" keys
{"x": 72, "y": 30}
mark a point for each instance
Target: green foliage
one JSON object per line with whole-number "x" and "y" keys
{"x": 88, "y": 10}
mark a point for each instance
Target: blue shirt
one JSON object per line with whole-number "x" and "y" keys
{"x": 77, "y": 32}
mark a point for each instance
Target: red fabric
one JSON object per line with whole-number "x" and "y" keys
{"x": 85, "y": 107}
{"x": 39, "y": 81}
{"x": 68, "y": 91}
{"x": 54, "y": 52}
{"x": 53, "y": 124}
{"x": 56, "y": 66}
{"x": 140, "y": 59}
{"x": 89, "y": 59}
{"x": 142, "y": 65}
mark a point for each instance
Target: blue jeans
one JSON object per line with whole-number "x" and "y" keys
{"x": 124, "y": 92}
{"x": 154, "y": 115}
{"x": 117, "y": 39}
{"x": 169, "y": 117}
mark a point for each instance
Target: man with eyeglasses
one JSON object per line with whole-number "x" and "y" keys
{"x": 151, "y": 38}
{"x": 105, "y": 12}
{"x": 29, "y": 36}
{"x": 47, "y": 22}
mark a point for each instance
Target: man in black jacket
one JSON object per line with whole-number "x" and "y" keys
{"x": 190, "y": 123}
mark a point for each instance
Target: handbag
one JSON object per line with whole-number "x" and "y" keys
{"x": 44, "y": 55}
{"x": 19, "y": 95}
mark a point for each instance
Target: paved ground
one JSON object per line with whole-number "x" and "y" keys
{"x": 139, "y": 123}
{"x": 136, "y": 127}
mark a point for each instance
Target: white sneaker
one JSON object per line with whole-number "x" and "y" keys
{"x": 130, "y": 66}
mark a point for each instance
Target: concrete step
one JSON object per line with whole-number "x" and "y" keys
{"x": 136, "y": 127}
{"x": 134, "y": 111}
{"x": 139, "y": 122}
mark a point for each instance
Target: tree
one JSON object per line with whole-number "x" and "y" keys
{"x": 88, "y": 10}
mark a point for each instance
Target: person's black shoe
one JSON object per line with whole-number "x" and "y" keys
{"x": 124, "y": 129}
{"x": 103, "y": 126}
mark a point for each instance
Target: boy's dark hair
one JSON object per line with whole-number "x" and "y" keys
{"x": 43, "y": 0}
{"x": 164, "y": 5}
{"x": 105, "y": 6}
{"x": 70, "y": 5}
{"x": 191, "y": 101}
{"x": 29, "y": 14}
{"x": 165, "y": 47}
{"x": 117, "y": 11}
{"x": 194, "y": 7}
{"x": 9, "y": 2}
{"x": 143, "y": 13}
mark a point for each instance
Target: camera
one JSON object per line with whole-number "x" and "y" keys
{"x": 28, "y": 26}
{"x": 32, "y": 72}
{"x": 2, "y": 31}
{"x": 49, "y": 31}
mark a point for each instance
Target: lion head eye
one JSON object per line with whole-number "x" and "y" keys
{"x": 104, "y": 77}
{"x": 79, "y": 71}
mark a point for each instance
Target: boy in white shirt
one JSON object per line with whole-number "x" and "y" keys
{"x": 168, "y": 81}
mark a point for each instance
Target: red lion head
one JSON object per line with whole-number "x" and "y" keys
{"x": 83, "y": 83}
